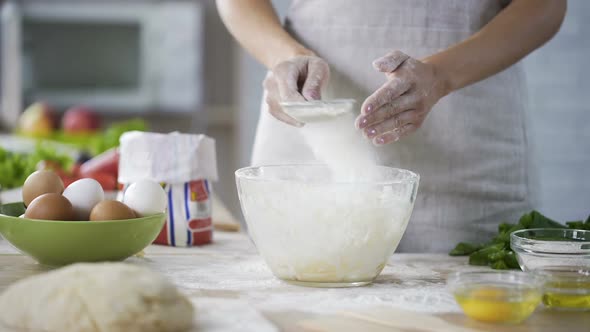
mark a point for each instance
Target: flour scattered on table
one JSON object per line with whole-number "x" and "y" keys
{"x": 106, "y": 297}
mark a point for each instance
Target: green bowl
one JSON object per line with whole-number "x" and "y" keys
{"x": 59, "y": 243}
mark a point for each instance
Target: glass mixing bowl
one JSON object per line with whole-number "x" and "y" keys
{"x": 315, "y": 230}
{"x": 540, "y": 247}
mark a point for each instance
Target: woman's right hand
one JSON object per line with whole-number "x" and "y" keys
{"x": 300, "y": 78}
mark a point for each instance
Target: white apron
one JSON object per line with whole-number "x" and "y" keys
{"x": 471, "y": 152}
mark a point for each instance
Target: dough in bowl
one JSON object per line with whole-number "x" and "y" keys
{"x": 102, "y": 297}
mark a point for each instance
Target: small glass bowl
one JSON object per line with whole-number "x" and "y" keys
{"x": 505, "y": 297}
{"x": 541, "y": 247}
{"x": 566, "y": 288}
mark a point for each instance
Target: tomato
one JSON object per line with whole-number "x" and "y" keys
{"x": 76, "y": 170}
{"x": 107, "y": 181}
{"x": 67, "y": 179}
{"x": 106, "y": 162}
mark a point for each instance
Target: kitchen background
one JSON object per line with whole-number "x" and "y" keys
{"x": 228, "y": 89}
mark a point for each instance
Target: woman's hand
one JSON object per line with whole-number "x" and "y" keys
{"x": 300, "y": 78}
{"x": 400, "y": 106}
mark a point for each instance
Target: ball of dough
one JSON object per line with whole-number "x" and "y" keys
{"x": 100, "y": 297}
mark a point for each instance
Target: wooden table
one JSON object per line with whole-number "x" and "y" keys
{"x": 232, "y": 289}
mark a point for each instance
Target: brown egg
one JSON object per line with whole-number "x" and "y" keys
{"x": 50, "y": 207}
{"x": 39, "y": 183}
{"x": 111, "y": 210}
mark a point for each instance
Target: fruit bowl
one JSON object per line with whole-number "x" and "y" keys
{"x": 57, "y": 243}
{"x": 316, "y": 229}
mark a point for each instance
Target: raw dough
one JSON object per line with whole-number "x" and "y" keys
{"x": 104, "y": 297}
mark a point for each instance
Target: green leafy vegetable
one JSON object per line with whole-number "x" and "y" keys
{"x": 485, "y": 256}
{"x": 579, "y": 224}
{"x": 497, "y": 252}
{"x": 110, "y": 137}
{"x": 499, "y": 265}
{"x": 16, "y": 167}
{"x": 99, "y": 142}
{"x": 540, "y": 221}
{"x": 511, "y": 261}
{"x": 464, "y": 248}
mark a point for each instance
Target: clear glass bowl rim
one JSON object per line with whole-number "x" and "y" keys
{"x": 410, "y": 178}
{"x": 518, "y": 239}
{"x": 519, "y": 280}
{"x": 461, "y": 278}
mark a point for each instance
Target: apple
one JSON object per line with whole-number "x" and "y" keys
{"x": 80, "y": 119}
{"x": 38, "y": 120}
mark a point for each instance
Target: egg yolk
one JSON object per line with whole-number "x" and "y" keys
{"x": 568, "y": 295}
{"x": 498, "y": 304}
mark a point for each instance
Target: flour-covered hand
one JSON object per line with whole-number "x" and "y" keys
{"x": 300, "y": 78}
{"x": 401, "y": 105}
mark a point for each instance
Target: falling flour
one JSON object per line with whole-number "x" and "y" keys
{"x": 337, "y": 143}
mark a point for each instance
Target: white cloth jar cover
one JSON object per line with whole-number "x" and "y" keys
{"x": 184, "y": 164}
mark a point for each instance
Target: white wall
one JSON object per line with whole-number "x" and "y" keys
{"x": 559, "y": 113}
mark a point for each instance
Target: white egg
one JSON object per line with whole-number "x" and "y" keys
{"x": 22, "y": 215}
{"x": 145, "y": 198}
{"x": 84, "y": 194}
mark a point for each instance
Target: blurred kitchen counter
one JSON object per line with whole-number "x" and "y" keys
{"x": 220, "y": 128}
{"x": 232, "y": 289}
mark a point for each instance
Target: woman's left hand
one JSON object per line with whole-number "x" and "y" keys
{"x": 401, "y": 105}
